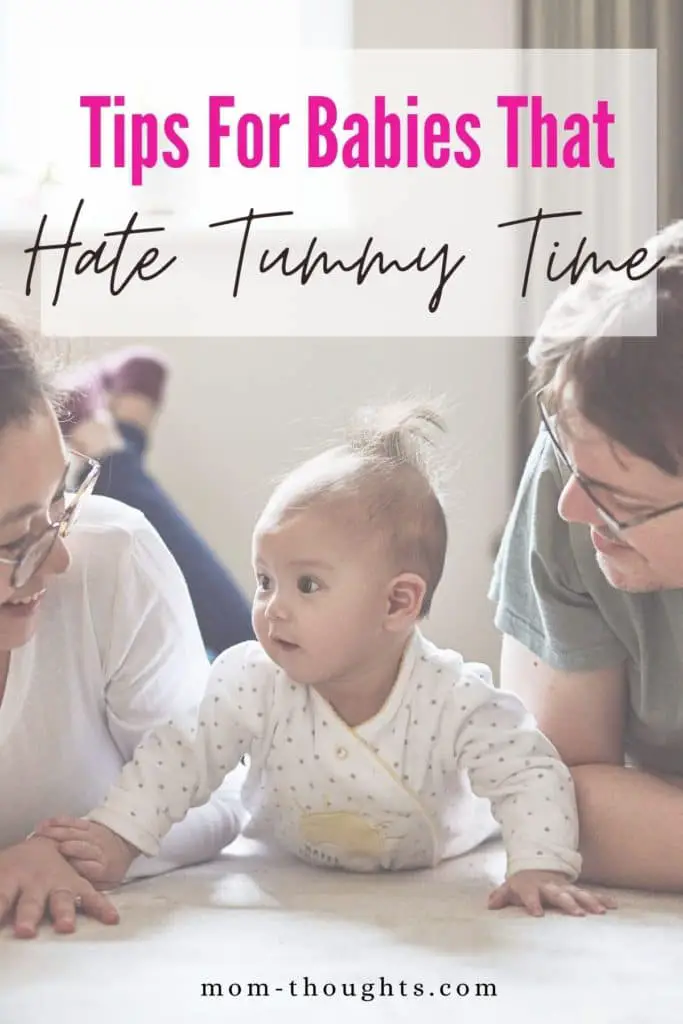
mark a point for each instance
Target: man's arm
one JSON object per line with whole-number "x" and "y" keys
{"x": 631, "y": 823}
{"x": 581, "y": 713}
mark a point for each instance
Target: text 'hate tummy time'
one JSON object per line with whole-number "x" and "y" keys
{"x": 111, "y": 257}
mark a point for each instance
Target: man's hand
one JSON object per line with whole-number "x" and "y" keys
{"x": 535, "y": 890}
{"x": 96, "y": 852}
{"x": 35, "y": 879}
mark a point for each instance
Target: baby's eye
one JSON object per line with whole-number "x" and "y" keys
{"x": 307, "y": 585}
{"x": 262, "y": 581}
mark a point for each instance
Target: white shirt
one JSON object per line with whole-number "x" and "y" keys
{"x": 415, "y": 784}
{"x": 117, "y": 650}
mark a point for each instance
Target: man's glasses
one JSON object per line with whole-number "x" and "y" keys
{"x": 617, "y": 526}
{"x": 82, "y": 476}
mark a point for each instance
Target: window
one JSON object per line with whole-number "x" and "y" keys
{"x": 166, "y": 56}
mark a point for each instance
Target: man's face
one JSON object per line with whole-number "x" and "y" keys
{"x": 639, "y": 558}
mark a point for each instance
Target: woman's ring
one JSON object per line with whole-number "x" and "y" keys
{"x": 77, "y": 899}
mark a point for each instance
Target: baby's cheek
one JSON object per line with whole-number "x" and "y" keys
{"x": 330, "y": 632}
{"x": 258, "y": 620}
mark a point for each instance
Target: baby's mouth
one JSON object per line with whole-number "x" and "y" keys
{"x": 287, "y": 645}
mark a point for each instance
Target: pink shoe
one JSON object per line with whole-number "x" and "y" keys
{"x": 84, "y": 390}
{"x": 80, "y": 396}
{"x": 138, "y": 370}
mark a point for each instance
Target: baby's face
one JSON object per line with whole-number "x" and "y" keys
{"x": 322, "y": 596}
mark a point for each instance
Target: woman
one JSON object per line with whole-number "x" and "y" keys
{"x": 98, "y": 643}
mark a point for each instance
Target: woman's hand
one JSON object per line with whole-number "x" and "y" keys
{"x": 35, "y": 879}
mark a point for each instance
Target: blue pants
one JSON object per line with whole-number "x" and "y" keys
{"x": 222, "y": 610}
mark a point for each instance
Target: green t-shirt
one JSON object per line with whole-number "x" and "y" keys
{"x": 552, "y": 597}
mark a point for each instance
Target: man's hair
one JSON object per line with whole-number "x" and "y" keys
{"x": 386, "y": 476}
{"x": 628, "y": 386}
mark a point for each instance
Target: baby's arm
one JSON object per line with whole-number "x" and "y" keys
{"x": 179, "y": 765}
{"x": 175, "y": 767}
{"x": 511, "y": 763}
{"x": 96, "y": 852}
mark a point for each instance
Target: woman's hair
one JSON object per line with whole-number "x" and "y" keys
{"x": 24, "y": 384}
{"x": 386, "y": 472}
{"x": 594, "y": 339}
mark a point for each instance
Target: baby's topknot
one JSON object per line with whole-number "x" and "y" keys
{"x": 402, "y": 432}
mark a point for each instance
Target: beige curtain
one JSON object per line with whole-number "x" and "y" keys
{"x": 612, "y": 24}
{"x": 632, "y": 24}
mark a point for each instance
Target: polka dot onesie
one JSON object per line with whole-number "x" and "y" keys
{"x": 446, "y": 762}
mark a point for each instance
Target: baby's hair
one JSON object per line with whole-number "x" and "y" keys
{"x": 401, "y": 432}
{"x": 387, "y": 471}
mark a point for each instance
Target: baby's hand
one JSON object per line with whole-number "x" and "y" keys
{"x": 96, "y": 852}
{"x": 534, "y": 890}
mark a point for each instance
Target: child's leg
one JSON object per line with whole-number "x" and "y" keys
{"x": 222, "y": 611}
{"x": 130, "y": 388}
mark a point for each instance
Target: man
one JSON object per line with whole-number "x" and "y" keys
{"x": 588, "y": 581}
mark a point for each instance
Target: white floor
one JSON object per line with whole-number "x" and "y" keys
{"x": 252, "y": 918}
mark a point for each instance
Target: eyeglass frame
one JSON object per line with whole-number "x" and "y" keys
{"x": 617, "y": 526}
{"x": 60, "y": 528}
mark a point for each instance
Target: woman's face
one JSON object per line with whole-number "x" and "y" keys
{"x": 32, "y": 469}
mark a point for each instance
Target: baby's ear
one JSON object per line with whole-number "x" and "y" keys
{"x": 406, "y": 595}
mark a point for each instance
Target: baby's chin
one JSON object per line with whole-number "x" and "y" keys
{"x": 287, "y": 656}
{"x": 298, "y": 664}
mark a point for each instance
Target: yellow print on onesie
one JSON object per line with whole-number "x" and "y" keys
{"x": 347, "y": 839}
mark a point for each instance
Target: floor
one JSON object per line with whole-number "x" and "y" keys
{"x": 251, "y": 917}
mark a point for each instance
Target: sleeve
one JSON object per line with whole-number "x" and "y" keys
{"x": 537, "y": 587}
{"x": 180, "y": 764}
{"x": 509, "y": 762}
{"x": 157, "y": 669}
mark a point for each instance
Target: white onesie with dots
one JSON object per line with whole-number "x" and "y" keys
{"x": 433, "y": 774}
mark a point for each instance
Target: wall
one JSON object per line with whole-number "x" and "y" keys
{"x": 240, "y": 412}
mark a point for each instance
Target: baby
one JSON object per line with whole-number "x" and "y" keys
{"x": 368, "y": 747}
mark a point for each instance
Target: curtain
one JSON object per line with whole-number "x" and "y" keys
{"x": 613, "y": 24}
